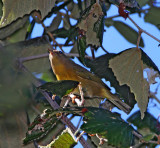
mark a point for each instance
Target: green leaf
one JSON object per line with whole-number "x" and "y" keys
{"x": 100, "y": 66}
{"x": 41, "y": 125}
{"x": 81, "y": 43}
{"x": 60, "y": 88}
{"x": 14, "y": 9}
{"x": 127, "y": 32}
{"x": 142, "y": 3}
{"x": 153, "y": 16}
{"x": 108, "y": 125}
{"x": 65, "y": 140}
{"x": 149, "y": 137}
{"x": 130, "y": 72}
{"x": 148, "y": 122}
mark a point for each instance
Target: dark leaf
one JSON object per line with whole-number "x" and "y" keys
{"x": 60, "y": 88}
{"x": 108, "y": 125}
{"x": 148, "y": 122}
{"x": 81, "y": 44}
{"x": 16, "y": 9}
{"x": 41, "y": 125}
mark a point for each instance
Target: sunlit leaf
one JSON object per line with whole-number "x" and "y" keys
{"x": 65, "y": 140}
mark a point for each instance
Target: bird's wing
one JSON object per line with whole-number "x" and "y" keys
{"x": 85, "y": 74}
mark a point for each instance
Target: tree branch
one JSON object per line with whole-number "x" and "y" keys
{"x": 45, "y": 55}
{"x": 141, "y": 30}
{"x": 53, "y": 103}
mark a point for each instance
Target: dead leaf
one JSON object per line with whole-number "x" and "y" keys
{"x": 87, "y": 24}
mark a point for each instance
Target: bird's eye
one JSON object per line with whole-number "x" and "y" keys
{"x": 60, "y": 52}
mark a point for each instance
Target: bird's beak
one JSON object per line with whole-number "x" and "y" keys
{"x": 50, "y": 51}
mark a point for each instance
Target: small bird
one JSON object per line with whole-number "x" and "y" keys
{"x": 92, "y": 85}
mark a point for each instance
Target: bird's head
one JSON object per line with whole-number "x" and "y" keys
{"x": 56, "y": 57}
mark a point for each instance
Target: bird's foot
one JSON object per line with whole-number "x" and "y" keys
{"x": 77, "y": 100}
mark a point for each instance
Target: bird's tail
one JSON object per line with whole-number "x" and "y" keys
{"x": 119, "y": 103}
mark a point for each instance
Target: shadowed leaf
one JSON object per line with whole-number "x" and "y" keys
{"x": 108, "y": 125}
{"x": 60, "y": 88}
{"x": 13, "y": 9}
{"x": 32, "y": 47}
{"x": 153, "y": 16}
{"x": 148, "y": 122}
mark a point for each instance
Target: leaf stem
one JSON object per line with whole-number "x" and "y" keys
{"x": 141, "y": 30}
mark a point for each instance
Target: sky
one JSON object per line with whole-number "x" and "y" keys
{"x": 115, "y": 43}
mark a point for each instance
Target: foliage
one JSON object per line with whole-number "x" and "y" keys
{"x": 27, "y": 81}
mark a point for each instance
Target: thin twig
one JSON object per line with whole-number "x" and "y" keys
{"x": 92, "y": 51}
{"x": 37, "y": 17}
{"x": 140, "y": 29}
{"x": 139, "y": 38}
{"x": 152, "y": 95}
{"x": 104, "y": 49}
{"x": 45, "y": 55}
